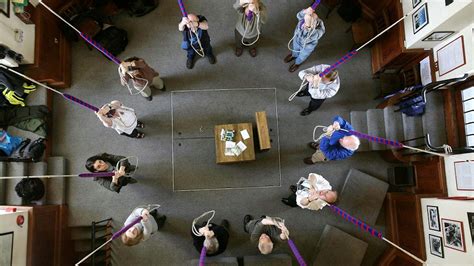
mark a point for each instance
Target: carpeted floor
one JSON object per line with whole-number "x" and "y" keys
{"x": 78, "y": 133}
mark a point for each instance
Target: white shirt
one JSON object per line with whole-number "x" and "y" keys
{"x": 317, "y": 182}
{"x": 126, "y": 122}
{"x": 323, "y": 90}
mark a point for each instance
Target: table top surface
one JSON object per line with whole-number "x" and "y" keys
{"x": 247, "y": 155}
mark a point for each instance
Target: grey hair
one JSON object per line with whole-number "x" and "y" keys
{"x": 265, "y": 247}
{"x": 211, "y": 244}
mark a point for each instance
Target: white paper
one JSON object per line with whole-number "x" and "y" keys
{"x": 425, "y": 71}
{"x": 228, "y": 152}
{"x": 229, "y": 144}
{"x": 236, "y": 150}
{"x": 241, "y": 146}
{"x": 464, "y": 175}
{"x": 451, "y": 56}
{"x": 245, "y": 134}
{"x": 222, "y": 134}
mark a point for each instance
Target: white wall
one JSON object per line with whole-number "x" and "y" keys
{"x": 450, "y": 174}
{"x": 454, "y": 17}
{"x": 453, "y": 210}
{"x": 20, "y": 240}
{"x": 7, "y": 36}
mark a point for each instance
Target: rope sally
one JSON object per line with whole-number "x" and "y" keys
{"x": 65, "y": 95}
{"x": 280, "y": 223}
{"x": 363, "y": 226}
{"x": 202, "y": 256}
{"x": 86, "y": 38}
{"x": 185, "y": 14}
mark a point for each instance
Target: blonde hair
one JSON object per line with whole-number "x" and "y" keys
{"x": 128, "y": 241}
{"x": 332, "y": 75}
{"x": 211, "y": 244}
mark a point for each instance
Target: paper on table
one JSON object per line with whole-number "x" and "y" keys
{"x": 245, "y": 134}
{"x": 241, "y": 146}
{"x": 425, "y": 71}
{"x": 229, "y": 144}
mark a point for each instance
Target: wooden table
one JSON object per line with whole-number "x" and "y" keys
{"x": 247, "y": 155}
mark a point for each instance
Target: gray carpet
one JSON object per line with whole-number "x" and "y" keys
{"x": 78, "y": 134}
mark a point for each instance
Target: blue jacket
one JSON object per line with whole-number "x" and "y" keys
{"x": 330, "y": 146}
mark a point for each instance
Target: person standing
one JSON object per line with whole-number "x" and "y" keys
{"x": 214, "y": 238}
{"x": 143, "y": 229}
{"x": 121, "y": 118}
{"x": 312, "y": 193}
{"x": 105, "y": 162}
{"x": 339, "y": 146}
{"x": 265, "y": 233}
{"x": 251, "y": 15}
{"x": 308, "y": 31}
{"x": 196, "y": 40}
{"x": 142, "y": 76}
{"x": 318, "y": 88}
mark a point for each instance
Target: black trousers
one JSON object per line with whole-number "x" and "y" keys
{"x": 206, "y": 46}
{"x": 314, "y": 104}
{"x": 134, "y": 134}
{"x": 291, "y": 200}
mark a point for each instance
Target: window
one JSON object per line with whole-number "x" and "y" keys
{"x": 468, "y": 111}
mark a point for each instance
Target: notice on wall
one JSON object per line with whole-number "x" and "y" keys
{"x": 451, "y": 56}
{"x": 464, "y": 171}
{"x": 425, "y": 71}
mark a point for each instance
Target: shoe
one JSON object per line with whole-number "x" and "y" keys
{"x": 238, "y": 51}
{"x": 289, "y": 58}
{"x": 190, "y": 63}
{"x": 301, "y": 94}
{"x": 313, "y": 145}
{"x": 164, "y": 88}
{"x": 140, "y": 124}
{"x": 149, "y": 98}
{"x": 293, "y": 68}
{"x": 293, "y": 188}
{"x": 305, "y": 112}
{"x": 308, "y": 160}
{"x": 286, "y": 202}
{"x": 247, "y": 219}
{"x": 140, "y": 135}
{"x": 225, "y": 224}
{"x": 212, "y": 59}
{"x": 253, "y": 52}
{"x": 132, "y": 180}
{"x": 161, "y": 221}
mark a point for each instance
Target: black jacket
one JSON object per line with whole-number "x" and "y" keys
{"x": 219, "y": 232}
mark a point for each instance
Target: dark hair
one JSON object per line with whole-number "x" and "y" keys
{"x": 90, "y": 163}
{"x": 131, "y": 59}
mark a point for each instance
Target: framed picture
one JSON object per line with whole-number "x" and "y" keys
{"x": 6, "y": 248}
{"x": 436, "y": 246}
{"x": 463, "y": 170}
{"x": 420, "y": 18}
{"x": 433, "y": 218}
{"x": 470, "y": 218}
{"x": 415, "y": 2}
{"x": 453, "y": 234}
{"x": 5, "y": 7}
{"x": 437, "y": 36}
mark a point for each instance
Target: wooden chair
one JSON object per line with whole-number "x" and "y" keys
{"x": 262, "y": 130}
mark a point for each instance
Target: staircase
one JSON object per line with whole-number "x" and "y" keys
{"x": 55, "y": 188}
{"x": 409, "y": 130}
{"x": 87, "y": 238}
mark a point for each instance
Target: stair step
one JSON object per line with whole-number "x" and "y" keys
{"x": 39, "y": 168}
{"x": 56, "y": 186}
{"x": 359, "y": 123}
{"x": 376, "y": 127}
{"x": 393, "y": 124}
{"x": 3, "y": 183}
{"x": 433, "y": 119}
{"x": 413, "y": 128}
{"x": 14, "y": 169}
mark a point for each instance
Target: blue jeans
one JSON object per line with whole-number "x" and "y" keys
{"x": 302, "y": 54}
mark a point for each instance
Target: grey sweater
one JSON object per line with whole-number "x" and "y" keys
{"x": 252, "y": 26}
{"x": 256, "y": 229}
{"x": 148, "y": 228}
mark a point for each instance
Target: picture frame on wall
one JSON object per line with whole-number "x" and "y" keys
{"x": 433, "y": 218}
{"x": 420, "y": 18}
{"x": 470, "y": 219}
{"x": 453, "y": 233}
{"x": 415, "y": 2}
{"x": 437, "y": 36}
{"x": 5, "y": 7}
{"x": 436, "y": 245}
